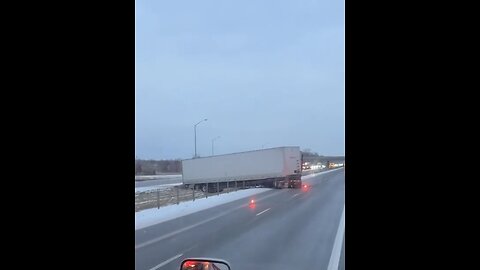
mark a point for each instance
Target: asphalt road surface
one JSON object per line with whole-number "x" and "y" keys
{"x": 284, "y": 229}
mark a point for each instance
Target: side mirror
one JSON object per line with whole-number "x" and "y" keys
{"x": 204, "y": 264}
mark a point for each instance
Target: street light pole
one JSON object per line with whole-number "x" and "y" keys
{"x": 195, "y": 132}
{"x": 213, "y": 140}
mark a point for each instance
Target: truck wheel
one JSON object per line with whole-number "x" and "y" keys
{"x": 204, "y": 188}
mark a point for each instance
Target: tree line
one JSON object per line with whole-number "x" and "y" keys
{"x": 166, "y": 166}
{"x": 153, "y": 167}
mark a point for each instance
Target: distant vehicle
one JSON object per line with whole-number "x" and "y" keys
{"x": 278, "y": 167}
{"x": 332, "y": 165}
{"x": 306, "y": 166}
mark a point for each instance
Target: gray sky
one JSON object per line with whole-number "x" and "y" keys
{"x": 264, "y": 73}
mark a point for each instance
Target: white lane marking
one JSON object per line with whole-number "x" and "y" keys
{"x": 295, "y": 195}
{"x": 262, "y": 212}
{"x": 337, "y": 246}
{"x": 160, "y": 238}
{"x": 180, "y": 230}
{"x": 167, "y": 261}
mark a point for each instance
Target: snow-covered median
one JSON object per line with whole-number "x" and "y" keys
{"x": 153, "y": 177}
{"x": 306, "y": 177}
{"x": 154, "y": 216}
{"x": 160, "y": 187}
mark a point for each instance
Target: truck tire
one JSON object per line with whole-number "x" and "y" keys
{"x": 204, "y": 188}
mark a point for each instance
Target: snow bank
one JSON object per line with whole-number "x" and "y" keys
{"x": 154, "y": 216}
{"x": 160, "y": 176}
{"x": 163, "y": 186}
{"x": 306, "y": 177}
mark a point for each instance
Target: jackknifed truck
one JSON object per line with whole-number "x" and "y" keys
{"x": 279, "y": 167}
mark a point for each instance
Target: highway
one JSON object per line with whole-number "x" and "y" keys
{"x": 155, "y": 180}
{"x": 284, "y": 229}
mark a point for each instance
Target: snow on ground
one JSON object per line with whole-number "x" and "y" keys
{"x": 160, "y": 176}
{"x": 306, "y": 177}
{"x": 164, "y": 186}
{"x": 154, "y": 216}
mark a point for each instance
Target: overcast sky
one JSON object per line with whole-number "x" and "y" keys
{"x": 264, "y": 74}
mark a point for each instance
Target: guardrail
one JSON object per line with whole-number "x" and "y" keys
{"x": 156, "y": 198}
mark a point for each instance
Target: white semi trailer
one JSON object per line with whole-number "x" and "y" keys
{"x": 275, "y": 167}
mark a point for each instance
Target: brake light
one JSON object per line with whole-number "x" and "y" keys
{"x": 251, "y": 205}
{"x": 189, "y": 264}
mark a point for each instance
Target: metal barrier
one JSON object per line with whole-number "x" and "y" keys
{"x": 157, "y": 198}
{"x": 175, "y": 194}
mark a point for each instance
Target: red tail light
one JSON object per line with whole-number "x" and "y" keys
{"x": 251, "y": 205}
{"x": 189, "y": 264}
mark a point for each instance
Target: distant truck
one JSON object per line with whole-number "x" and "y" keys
{"x": 278, "y": 167}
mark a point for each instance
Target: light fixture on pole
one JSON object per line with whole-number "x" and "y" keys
{"x": 195, "y": 132}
